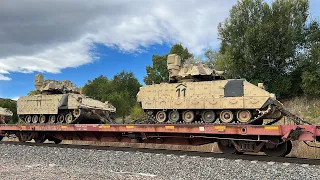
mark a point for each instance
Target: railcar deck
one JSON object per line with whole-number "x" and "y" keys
{"x": 309, "y": 132}
{"x": 230, "y": 138}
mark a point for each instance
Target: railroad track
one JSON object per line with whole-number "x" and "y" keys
{"x": 249, "y": 157}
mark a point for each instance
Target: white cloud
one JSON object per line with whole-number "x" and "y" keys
{"x": 15, "y": 98}
{"x": 4, "y": 78}
{"x": 47, "y": 36}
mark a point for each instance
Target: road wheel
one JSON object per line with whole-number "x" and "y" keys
{"x": 35, "y": 119}
{"x": 42, "y": 119}
{"x": 161, "y": 116}
{"x": 226, "y": 116}
{"x": 188, "y": 116}
{"x": 174, "y": 116}
{"x": 60, "y": 118}
{"x": 52, "y": 119}
{"x": 208, "y": 116}
{"x": 28, "y": 119}
{"x": 244, "y": 116}
{"x": 69, "y": 118}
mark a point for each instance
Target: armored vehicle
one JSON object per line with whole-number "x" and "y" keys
{"x": 197, "y": 93}
{"x": 62, "y": 102}
{"x": 5, "y": 115}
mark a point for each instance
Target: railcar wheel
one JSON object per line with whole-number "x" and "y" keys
{"x": 226, "y": 146}
{"x": 161, "y": 116}
{"x": 69, "y": 118}
{"x": 244, "y": 116}
{"x": 24, "y": 136}
{"x": 42, "y": 119}
{"x": 275, "y": 150}
{"x": 28, "y": 119}
{"x": 60, "y": 118}
{"x": 40, "y": 138}
{"x": 208, "y": 116}
{"x": 52, "y": 119}
{"x": 289, "y": 148}
{"x": 174, "y": 116}
{"x": 35, "y": 118}
{"x": 57, "y": 141}
{"x": 188, "y": 116}
{"x": 226, "y": 116}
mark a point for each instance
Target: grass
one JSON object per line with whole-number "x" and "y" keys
{"x": 304, "y": 107}
{"x": 300, "y": 149}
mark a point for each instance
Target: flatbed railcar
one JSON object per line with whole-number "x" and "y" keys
{"x": 274, "y": 140}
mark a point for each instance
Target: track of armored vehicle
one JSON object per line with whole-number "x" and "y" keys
{"x": 62, "y": 102}
{"x": 198, "y": 94}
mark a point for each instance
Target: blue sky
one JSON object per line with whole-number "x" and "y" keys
{"x": 109, "y": 64}
{"x": 39, "y": 38}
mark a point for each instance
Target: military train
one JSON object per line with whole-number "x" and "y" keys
{"x": 62, "y": 102}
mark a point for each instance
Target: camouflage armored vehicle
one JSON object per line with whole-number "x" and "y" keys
{"x": 62, "y": 102}
{"x": 197, "y": 93}
{"x": 5, "y": 115}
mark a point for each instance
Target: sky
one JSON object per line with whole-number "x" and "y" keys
{"x": 79, "y": 40}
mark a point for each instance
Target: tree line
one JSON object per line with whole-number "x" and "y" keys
{"x": 277, "y": 44}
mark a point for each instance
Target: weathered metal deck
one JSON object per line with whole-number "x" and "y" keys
{"x": 308, "y": 132}
{"x": 274, "y": 140}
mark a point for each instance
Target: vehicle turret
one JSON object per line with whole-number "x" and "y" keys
{"x": 189, "y": 71}
{"x": 54, "y": 87}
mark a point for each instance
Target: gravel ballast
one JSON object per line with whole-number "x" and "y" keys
{"x": 39, "y": 162}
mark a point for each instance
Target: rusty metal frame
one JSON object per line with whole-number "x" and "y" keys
{"x": 146, "y": 132}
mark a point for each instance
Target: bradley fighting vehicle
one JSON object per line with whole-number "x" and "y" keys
{"x": 62, "y": 102}
{"x": 196, "y": 92}
{"x": 5, "y": 115}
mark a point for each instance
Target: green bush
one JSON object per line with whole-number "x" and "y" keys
{"x": 137, "y": 112}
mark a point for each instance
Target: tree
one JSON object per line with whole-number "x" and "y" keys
{"x": 97, "y": 87}
{"x": 122, "y": 101}
{"x": 263, "y": 41}
{"x": 121, "y": 91}
{"x": 224, "y": 62}
{"x": 158, "y": 72}
{"x": 137, "y": 112}
{"x": 211, "y": 56}
{"x": 124, "y": 91}
{"x": 310, "y": 63}
{"x": 32, "y": 92}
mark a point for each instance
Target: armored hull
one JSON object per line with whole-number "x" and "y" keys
{"x": 197, "y": 93}
{"x": 5, "y": 115}
{"x": 224, "y": 100}
{"x": 63, "y": 108}
{"x": 62, "y": 102}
